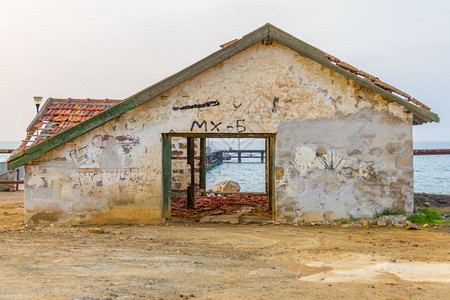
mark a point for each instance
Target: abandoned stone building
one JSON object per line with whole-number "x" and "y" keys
{"x": 338, "y": 140}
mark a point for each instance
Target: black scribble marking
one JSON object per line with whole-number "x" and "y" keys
{"x": 199, "y": 125}
{"x": 201, "y": 105}
{"x": 236, "y": 107}
{"x": 216, "y": 126}
{"x": 275, "y": 101}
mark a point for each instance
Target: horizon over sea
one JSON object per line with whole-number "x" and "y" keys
{"x": 431, "y": 172}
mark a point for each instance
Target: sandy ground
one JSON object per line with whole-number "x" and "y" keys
{"x": 219, "y": 261}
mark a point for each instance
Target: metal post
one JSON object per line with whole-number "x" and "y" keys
{"x": 167, "y": 175}
{"x": 267, "y": 166}
{"x": 203, "y": 163}
{"x": 17, "y": 178}
{"x": 191, "y": 162}
{"x": 272, "y": 194}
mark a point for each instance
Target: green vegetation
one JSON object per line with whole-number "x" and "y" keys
{"x": 346, "y": 221}
{"x": 354, "y": 219}
{"x": 341, "y": 221}
{"x": 390, "y": 212}
{"x": 427, "y": 216}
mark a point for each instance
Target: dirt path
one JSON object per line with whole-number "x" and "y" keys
{"x": 11, "y": 210}
{"x": 223, "y": 262}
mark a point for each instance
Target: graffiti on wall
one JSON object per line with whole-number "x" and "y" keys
{"x": 237, "y": 126}
{"x": 87, "y": 154}
{"x": 80, "y": 156}
{"x": 97, "y": 177}
{"x": 127, "y": 142}
{"x": 200, "y": 105}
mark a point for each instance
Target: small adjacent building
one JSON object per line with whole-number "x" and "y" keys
{"x": 338, "y": 140}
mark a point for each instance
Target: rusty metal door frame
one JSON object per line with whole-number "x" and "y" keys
{"x": 167, "y": 164}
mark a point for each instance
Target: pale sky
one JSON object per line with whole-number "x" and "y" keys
{"x": 115, "y": 48}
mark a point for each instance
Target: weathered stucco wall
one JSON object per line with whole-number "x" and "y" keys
{"x": 351, "y": 167}
{"x": 113, "y": 173}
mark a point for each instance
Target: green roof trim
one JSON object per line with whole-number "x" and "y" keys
{"x": 421, "y": 115}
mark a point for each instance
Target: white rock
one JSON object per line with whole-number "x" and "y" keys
{"x": 411, "y": 226}
{"x": 226, "y": 187}
{"x": 391, "y": 220}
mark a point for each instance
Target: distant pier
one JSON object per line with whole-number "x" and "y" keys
{"x": 12, "y": 178}
{"x": 431, "y": 151}
{"x": 216, "y": 157}
{"x": 5, "y": 151}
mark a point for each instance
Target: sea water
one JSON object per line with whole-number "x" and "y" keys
{"x": 249, "y": 174}
{"x": 431, "y": 172}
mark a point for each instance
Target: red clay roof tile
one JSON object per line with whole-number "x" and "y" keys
{"x": 59, "y": 114}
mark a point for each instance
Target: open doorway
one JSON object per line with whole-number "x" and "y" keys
{"x": 201, "y": 171}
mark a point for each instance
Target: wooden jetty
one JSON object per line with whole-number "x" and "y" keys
{"x": 431, "y": 151}
{"x": 240, "y": 154}
{"x": 216, "y": 157}
{"x": 10, "y": 178}
{"x": 6, "y": 151}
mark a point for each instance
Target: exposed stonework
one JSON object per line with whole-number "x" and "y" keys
{"x": 181, "y": 176}
{"x": 114, "y": 172}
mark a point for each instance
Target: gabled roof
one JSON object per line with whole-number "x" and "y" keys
{"x": 265, "y": 34}
{"x": 57, "y": 115}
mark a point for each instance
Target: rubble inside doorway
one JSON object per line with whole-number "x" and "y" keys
{"x": 218, "y": 204}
